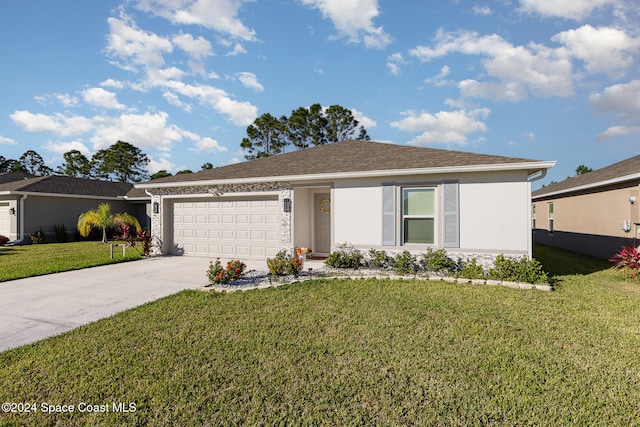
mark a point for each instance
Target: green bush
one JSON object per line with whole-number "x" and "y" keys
{"x": 470, "y": 269}
{"x": 522, "y": 270}
{"x": 345, "y": 257}
{"x": 62, "y": 235}
{"x": 39, "y": 238}
{"x": 379, "y": 259}
{"x": 218, "y": 275}
{"x": 438, "y": 261}
{"x": 405, "y": 263}
{"x": 278, "y": 265}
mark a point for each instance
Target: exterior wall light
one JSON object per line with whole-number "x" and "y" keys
{"x": 12, "y": 211}
{"x": 156, "y": 207}
{"x": 287, "y": 205}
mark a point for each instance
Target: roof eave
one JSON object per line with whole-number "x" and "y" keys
{"x": 65, "y": 195}
{"x": 530, "y": 167}
{"x": 606, "y": 182}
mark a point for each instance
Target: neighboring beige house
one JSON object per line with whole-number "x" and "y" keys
{"x": 595, "y": 213}
{"x": 28, "y": 203}
{"x": 367, "y": 194}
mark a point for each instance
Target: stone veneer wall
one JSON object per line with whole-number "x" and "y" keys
{"x": 485, "y": 260}
{"x": 158, "y": 194}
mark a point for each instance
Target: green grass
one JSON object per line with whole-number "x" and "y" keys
{"x": 17, "y": 262}
{"x": 342, "y": 352}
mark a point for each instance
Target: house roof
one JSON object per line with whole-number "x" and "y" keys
{"x": 64, "y": 185}
{"x": 345, "y": 157}
{"x": 625, "y": 170}
{"x": 14, "y": 176}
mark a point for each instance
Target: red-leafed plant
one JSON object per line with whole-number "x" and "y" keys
{"x": 3, "y": 240}
{"x": 627, "y": 259}
{"x": 218, "y": 275}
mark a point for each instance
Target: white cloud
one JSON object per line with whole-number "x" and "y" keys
{"x": 439, "y": 79}
{"x": 162, "y": 163}
{"x": 197, "y": 49}
{"x": 218, "y": 15}
{"x": 603, "y": 49}
{"x": 250, "y": 81}
{"x": 208, "y": 145}
{"x": 63, "y": 147}
{"x": 541, "y": 70}
{"x": 7, "y": 140}
{"x": 354, "y": 19}
{"x": 64, "y": 99}
{"x": 444, "y": 127}
{"x": 135, "y": 47}
{"x": 57, "y": 123}
{"x": 175, "y": 100}
{"x": 623, "y": 101}
{"x": 483, "y": 10}
{"x": 113, "y": 84}
{"x": 567, "y": 9}
{"x": 101, "y": 98}
{"x": 363, "y": 120}
{"x": 394, "y": 62}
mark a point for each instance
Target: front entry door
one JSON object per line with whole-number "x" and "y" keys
{"x": 322, "y": 223}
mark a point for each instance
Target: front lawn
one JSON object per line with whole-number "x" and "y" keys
{"x": 347, "y": 352}
{"x": 17, "y": 262}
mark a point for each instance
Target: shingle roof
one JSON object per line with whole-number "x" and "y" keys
{"x": 54, "y": 184}
{"x": 616, "y": 171}
{"x": 14, "y": 176}
{"x": 344, "y": 156}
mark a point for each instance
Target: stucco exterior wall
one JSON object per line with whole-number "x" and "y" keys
{"x": 494, "y": 211}
{"x": 47, "y": 212}
{"x": 589, "y": 222}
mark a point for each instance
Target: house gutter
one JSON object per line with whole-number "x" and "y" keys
{"x": 590, "y": 186}
{"x": 537, "y": 166}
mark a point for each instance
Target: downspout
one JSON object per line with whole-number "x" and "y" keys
{"x": 21, "y": 239}
{"x": 542, "y": 173}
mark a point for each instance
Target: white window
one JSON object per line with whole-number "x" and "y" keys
{"x": 551, "y": 218}
{"x": 533, "y": 216}
{"x": 418, "y": 215}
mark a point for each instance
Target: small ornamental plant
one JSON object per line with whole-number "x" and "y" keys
{"x": 294, "y": 266}
{"x": 627, "y": 259}
{"x": 218, "y": 275}
{"x": 3, "y": 240}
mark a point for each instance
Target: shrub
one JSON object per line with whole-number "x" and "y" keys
{"x": 277, "y": 265}
{"x": 62, "y": 235}
{"x": 39, "y": 238}
{"x": 470, "y": 269}
{"x": 523, "y": 270}
{"x": 438, "y": 261}
{"x": 218, "y": 275}
{"x": 405, "y": 263}
{"x": 282, "y": 264}
{"x": 379, "y": 259}
{"x": 345, "y": 257}
{"x": 3, "y": 240}
{"x": 628, "y": 258}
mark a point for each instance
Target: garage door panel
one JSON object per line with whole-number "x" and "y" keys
{"x": 234, "y": 228}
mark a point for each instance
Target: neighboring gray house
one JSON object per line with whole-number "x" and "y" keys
{"x": 595, "y": 213}
{"x": 368, "y": 194}
{"x": 28, "y": 203}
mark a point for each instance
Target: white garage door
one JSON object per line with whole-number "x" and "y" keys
{"x": 233, "y": 228}
{"x": 4, "y": 219}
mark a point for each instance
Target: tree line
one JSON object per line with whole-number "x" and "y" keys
{"x": 121, "y": 162}
{"x": 267, "y": 136}
{"x": 304, "y": 128}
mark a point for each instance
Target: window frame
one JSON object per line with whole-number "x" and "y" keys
{"x": 433, "y": 216}
{"x": 551, "y": 208}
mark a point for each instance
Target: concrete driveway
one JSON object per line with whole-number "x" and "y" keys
{"x": 39, "y": 307}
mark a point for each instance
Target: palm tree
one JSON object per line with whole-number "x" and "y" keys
{"x": 103, "y": 218}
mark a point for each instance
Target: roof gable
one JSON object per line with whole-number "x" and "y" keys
{"x": 618, "y": 172}
{"x": 343, "y": 157}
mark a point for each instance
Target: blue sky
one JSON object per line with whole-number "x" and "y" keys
{"x": 182, "y": 79}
